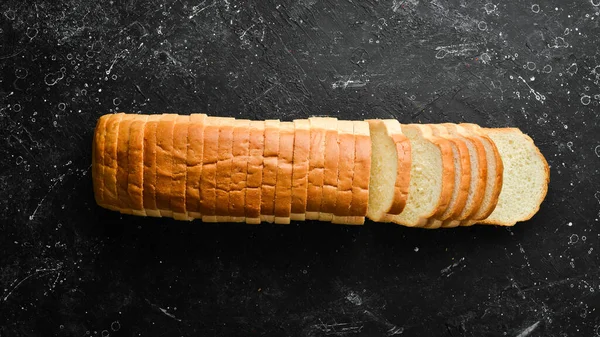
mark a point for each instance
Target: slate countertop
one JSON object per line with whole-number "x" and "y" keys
{"x": 70, "y": 268}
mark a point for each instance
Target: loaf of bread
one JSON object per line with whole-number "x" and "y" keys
{"x": 221, "y": 169}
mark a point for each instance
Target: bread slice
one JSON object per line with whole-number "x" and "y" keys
{"x": 194, "y": 159}
{"x": 98, "y": 150}
{"x": 316, "y": 169}
{"x": 432, "y": 170}
{"x": 478, "y": 165}
{"x": 362, "y": 172}
{"x": 285, "y": 164}
{"x": 269, "y": 179}
{"x": 462, "y": 177}
{"x": 495, "y": 169}
{"x": 525, "y": 177}
{"x": 208, "y": 181}
{"x": 239, "y": 171}
{"x": 136, "y": 165}
{"x": 224, "y": 169}
{"x": 255, "y": 172}
{"x": 149, "y": 179}
{"x": 164, "y": 163}
{"x": 390, "y": 169}
{"x": 111, "y": 198}
{"x": 330, "y": 172}
{"x": 300, "y": 170}
{"x": 345, "y": 175}
{"x": 178, "y": 188}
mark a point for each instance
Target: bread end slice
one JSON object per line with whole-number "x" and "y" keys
{"x": 526, "y": 176}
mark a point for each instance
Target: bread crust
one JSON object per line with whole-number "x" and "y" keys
{"x": 149, "y": 179}
{"x": 208, "y": 182}
{"x": 346, "y": 176}
{"x": 255, "y": 172}
{"x": 164, "y": 163}
{"x": 283, "y": 191}
{"x": 330, "y": 173}
{"x": 460, "y": 190}
{"x": 478, "y": 176}
{"x": 180, "y": 149}
{"x": 362, "y": 170}
{"x": 135, "y": 177}
{"x": 194, "y": 157}
{"x": 224, "y": 169}
{"x": 494, "y": 176}
{"x": 316, "y": 168}
{"x": 110, "y": 161}
{"x": 300, "y": 169}
{"x": 269, "y": 179}
{"x": 98, "y": 150}
{"x": 239, "y": 172}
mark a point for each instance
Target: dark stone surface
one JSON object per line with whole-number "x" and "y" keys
{"x": 70, "y": 268}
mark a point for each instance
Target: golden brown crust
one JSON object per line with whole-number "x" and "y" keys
{"x": 300, "y": 170}
{"x": 136, "y": 165}
{"x": 362, "y": 169}
{"x": 461, "y": 183}
{"x": 316, "y": 169}
{"x": 178, "y": 188}
{"x": 403, "y": 178}
{"x": 283, "y": 191}
{"x": 346, "y": 176}
{"x": 224, "y": 167}
{"x": 149, "y": 179}
{"x": 330, "y": 177}
{"x": 487, "y": 208}
{"x": 239, "y": 170}
{"x": 164, "y": 163}
{"x": 478, "y": 176}
{"x": 269, "y": 179}
{"x": 98, "y": 149}
{"x": 123, "y": 161}
{"x": 110, "y": 161}
{"x": 208, "y": 181}
{"x": 255, "y": 172}
{"x": 346, "y": 169}
{"x": 194, "y": 157}
{"x": 448, "y": 172}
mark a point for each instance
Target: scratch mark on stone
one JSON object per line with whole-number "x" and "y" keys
{"x": 537, "y": 95}
{"x": 197, "y": 11}
{"x": 164, "y": 311}
{"x": 46, "y": 271}
{"x": 448, "y": 270}
{"x": 60, "y": 178}
{"x": 529, "y": 330}
{"x": 339, "y": 329}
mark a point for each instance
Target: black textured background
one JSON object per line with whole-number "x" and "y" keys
{"x": 70, "y": 268}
